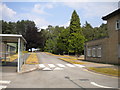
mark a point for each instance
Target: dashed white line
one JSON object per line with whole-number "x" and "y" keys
{"x": 5, "y": 82}
{"x": 61, "y": 65}
{"x": 57, "y": 68}
{"x": 1, "y": 86}
{"x": 70, "y": 65}
{"x": 95, "y": 84}
{"x": 46, "y": 69}
{"x": 51, "y": 65}
{"x": 42, "y": 65}
{"x": 79, "y": 65}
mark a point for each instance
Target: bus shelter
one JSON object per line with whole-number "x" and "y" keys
{"x": 20, "y": 47}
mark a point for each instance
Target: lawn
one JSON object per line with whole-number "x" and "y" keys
{"x": 11, "y": 58}
{"x": 67, "y": 58}
{"x": 32, "y": 59}
{"x": 72, "y": 60}
{"x": 107, "y": 71}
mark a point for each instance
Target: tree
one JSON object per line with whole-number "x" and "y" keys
{"x": 91, "y": 33}
{"x": 88, "y": 31}
{"x": 76, "y": 43}
{"x": 42, "y": 36}
{"x": 62, "y": 41}
{"x": 74, "y": 23}
{"x": 53, "y": 35}
{"x": 8, "y": 27}
{"x": 76, "y": 38}
{"x": 102, "y": 31}
{"x": 26, "y": 28}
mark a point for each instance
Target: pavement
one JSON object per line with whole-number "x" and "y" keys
{"x": 28, "y": 68}
{"x": 94, "y": 64}
{"x": 55, "y": 73}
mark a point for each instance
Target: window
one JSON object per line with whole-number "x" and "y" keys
{"x": 117, "y": 24}
{"x": 89, "y": 52}
{"x": 93, "y": 52}
{"x": 98, "y": 51}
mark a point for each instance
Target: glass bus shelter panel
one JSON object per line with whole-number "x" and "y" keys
{"x": 0, "y": 57}
{"x": 21, "y": 55}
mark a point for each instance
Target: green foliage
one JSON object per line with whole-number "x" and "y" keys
{"x": 8, "y": 27}
{"x": 62, "y": 42}
{"x": 26, "y": 28}
{"x": 91, "y": 33}
{"x": 58, "y": 40}
{"x": 76, "y": 38}
{"x": 74, "y": 23}
{"x": 51, "y": 44}
{"x": 76, "y": 43}
{"x": 43, "y": 36}
{"x": 88, "y": 31}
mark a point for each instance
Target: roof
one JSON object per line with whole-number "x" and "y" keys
{"x": 111, "y": 14}
{"x": 97, "y": 39}
{"x": 11, "y": 38}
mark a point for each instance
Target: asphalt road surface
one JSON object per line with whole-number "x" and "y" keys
{"x": 55, "y": 73}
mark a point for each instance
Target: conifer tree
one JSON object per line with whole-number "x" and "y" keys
{"x": 76, "y": 38}
{"x": 74, "y": 23}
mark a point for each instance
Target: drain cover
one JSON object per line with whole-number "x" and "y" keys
{"x": 84, "y": 79}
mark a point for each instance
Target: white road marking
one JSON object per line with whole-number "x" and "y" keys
{"x": 5, "y": 82}
{"x": 93, "y": 83}
{"x": 51, "y": 65}
{"x": 57, "y": 68}
{"x": 41, "y": 65}
{"x": 1, "y": 86}
{"x": 61, "y": 65}
{"x": 79, "y": 65}
{"x": 70, "y": 65}
{"x": 46, "y": 69}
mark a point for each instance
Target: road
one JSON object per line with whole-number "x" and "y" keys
{"x": 55, "y": 73}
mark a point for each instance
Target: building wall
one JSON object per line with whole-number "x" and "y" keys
{"x": 103, "y": 44}
{"x": 113, "y": 39}
{"x": 119, "y": 42}
{"x": 109, "y": 45}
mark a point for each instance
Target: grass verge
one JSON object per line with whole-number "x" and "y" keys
{"x": 60, "y": 55}
{"x": 32, "y": 59}
{"x": 107, "y": 71}
{"x": 72, "y": 60}
{"x": 11, "y": 58}
{"x": 25, "y": 52}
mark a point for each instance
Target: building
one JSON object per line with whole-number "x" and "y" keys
{"x": 106, "y": 50}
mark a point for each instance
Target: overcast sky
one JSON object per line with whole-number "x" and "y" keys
{"x": 56, "y": 13}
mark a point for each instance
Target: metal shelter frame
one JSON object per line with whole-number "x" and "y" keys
{"x": 13, "y": 38}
